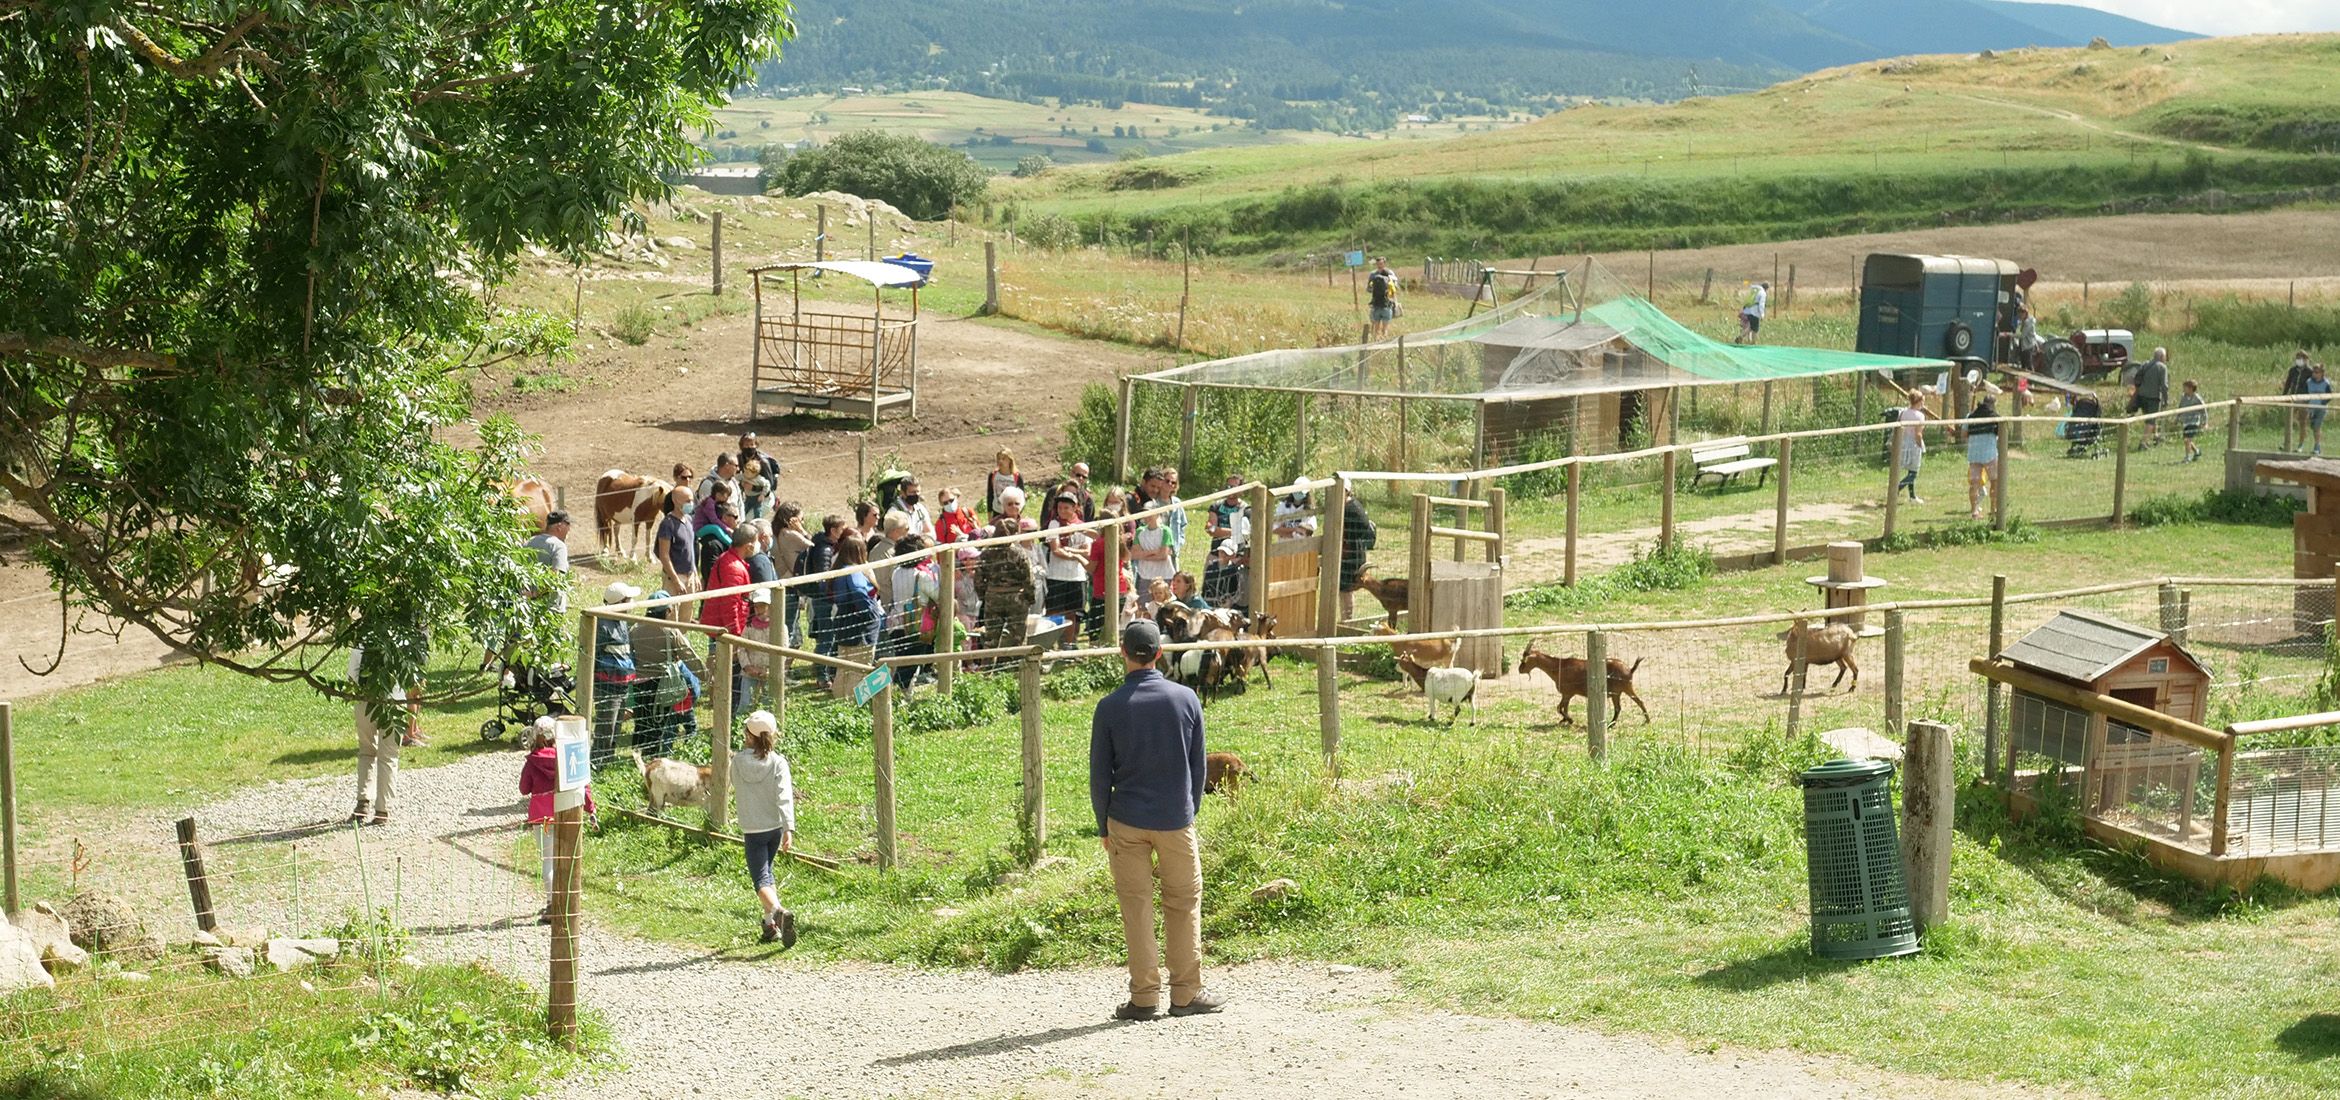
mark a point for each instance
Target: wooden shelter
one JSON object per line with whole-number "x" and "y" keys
{"x": 2315, "y": 534}
{"x": 2121, "y": 661}
{"x": 829, "y": 360}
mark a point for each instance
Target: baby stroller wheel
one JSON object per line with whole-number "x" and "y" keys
{"x": 491, "y": 730}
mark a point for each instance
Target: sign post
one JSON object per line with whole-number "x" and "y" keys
{"x": 873, "y": 685}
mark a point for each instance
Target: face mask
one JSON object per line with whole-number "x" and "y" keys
{"x": 950, "y": 506}
{"x": 909, "y": 498}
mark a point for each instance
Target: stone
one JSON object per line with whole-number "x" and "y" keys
{"x": 235, "y": 962}
{"x": 206, "y": 939}
{"x": 52, "y": 936}
{"x": 287, "y": 955}
{"x": 1860, "y": 743}
{"x": 324, "y": 947}
{"x": 133, "y": 977}
{"x": 677, "y": 243}
{"x": 1050, "y": 863}
{"x": 20, "y": 962}
{"x": 61, "y": 957}
{"x": 946, "y": 912}
{"x": 1274, "y": 890}
{"x": 107, "y": 927}
{"x": 252, "y": 937}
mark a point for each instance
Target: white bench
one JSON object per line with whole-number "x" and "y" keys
{"x": 1725, "y": 459}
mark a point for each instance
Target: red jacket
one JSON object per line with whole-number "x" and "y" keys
{"x": 957, "y": 526}
{"x": 1097, "y": 564}
{"x": 729, "y": 612}
{"x": 540, "y": 774}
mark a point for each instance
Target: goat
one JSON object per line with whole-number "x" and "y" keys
{"x": 1437, "y": 651}
{"x": 1223, "y": 772}
{"x": 629, "y": 499}
{"x": 670, "y": 782}
{"x": 1390, "y": 593}
{"x": 1568, "y": 674}
{"x": 1414, "y": 670}
{"x": 1191, "y": 667}
{"x": 1831, "y": 644}
{"x": 1455, "y": 686}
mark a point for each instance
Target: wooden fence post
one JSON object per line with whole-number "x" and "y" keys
{"x": 2219, "y": 808}
{"x": 560, "y": 1010}
{"x": 1928, "y": 797}
{"x": 1575, "y": 502}
{"x": 1799, "y": 678}
{"x": 715, "y": 247}
{"x": 990, "y": 279}
{"x": 1766, "y": 409}
{"x": 1893, "y": 472}
{"x": 1186, "y": 409}
{"x": 821, "y": 232}
{"x": 10, "y": 901}
{"x": 1779, "y": 526}
{"x": 1596, "y": 694}
{"x": 946, "y": 618}
{"x": 1999, "y": 471}
{"x": 1706, "y": 289}
{"x": 1299, "y": 436}
{"x": 2120, "y": 509}
{"x": 1896, "y": 670}
{"x": 719, "y": 737}
{"x": 881, "y": 751}
{"x": 585, "y": 628}
{"x": 1418, "y": 567}
{"x": 1991, "y": 688}
{"x": 1666, "y": 500}
{"x": 198, "y": 883}
{"x": 1121, "y": 431}
{"x": 1032, "y": 819}
{"x": 2234, "y": 426}
{"x": 1114, "y": 601}
{"x": 1331, "y": 530}
{"x": 1262, "y": 536}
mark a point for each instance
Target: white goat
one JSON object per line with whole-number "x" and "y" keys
{"x": 668, "y": 782}
{"x": 1454, "y": 686}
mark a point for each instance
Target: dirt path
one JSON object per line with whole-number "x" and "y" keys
{"x": 693, "y": 1023}
{"x": 30, "y": 634}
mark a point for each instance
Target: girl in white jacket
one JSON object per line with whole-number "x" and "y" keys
{"x": 767, "y": 818}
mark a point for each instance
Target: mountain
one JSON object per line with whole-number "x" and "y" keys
{"x": 1362, "y": 60}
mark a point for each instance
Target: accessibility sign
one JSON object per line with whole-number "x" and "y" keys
{"x": 873, "y": 685}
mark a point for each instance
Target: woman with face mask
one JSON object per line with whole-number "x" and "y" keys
{"x": 956, "y": 523}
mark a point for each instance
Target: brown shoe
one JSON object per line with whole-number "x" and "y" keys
{"x": 1204, "y": 1003}
{"x": 413, "y": 741}
{"x": 381, "y": 817}
{"x": 364, "y": 810}
{"x": 1133, "y": 1011}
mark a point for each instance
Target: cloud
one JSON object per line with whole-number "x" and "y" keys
{"x": 2230, "y": 16}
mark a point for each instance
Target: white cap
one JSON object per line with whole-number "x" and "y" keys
{"x": 620, "y": 592}
{"x": 761, "y": 595}
{"x": 546, "y": 726}
{"x": 764, "y": 721}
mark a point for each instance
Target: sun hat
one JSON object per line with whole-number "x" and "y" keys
{"x": 763, "y": 720}
{"x": 620, "y": 592}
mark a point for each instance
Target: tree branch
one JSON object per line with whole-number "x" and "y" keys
{"x": 211, "y": 61}
{"x": 86, "y": 354}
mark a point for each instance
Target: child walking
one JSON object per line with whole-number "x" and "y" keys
{"x": 539, "y": 778}
{"x": 2191, "y": 416}
{"x": 767, "y": 818}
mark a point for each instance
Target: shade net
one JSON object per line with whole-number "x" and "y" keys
{"x": 1590, "y": 334}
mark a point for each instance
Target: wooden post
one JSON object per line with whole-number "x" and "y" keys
{"x": 1896, "y": 673}
{"x": 870, "y": 253}
{"x": 560, "y": 1010}
{"x": 1299, "y": 436}
{"x": 1789, "y": 298}
{"x": 1706, "y": 289}
{"x": 1652, "y": 293}
{"x": 860, "y": 461}
{"x": 1185, "y": 290}
{"x": 2234, "y": 425}
{"x": 2224, "y": 799}
{"x": 1575, "y": 499}
{"x": 1666, "y": 500}
{"x": 1779, "y": 524}
{"x": 2120, "y": 509}
{"x": 10, "y": 901}
{"x": 1418, "y": 567}
{"x": 584, "y": 666}
{"x": 1991, "y": 688}
{"x": 881, "y": 751}
{"x": 1799, "y": 679}
{"x": 1999, "y": 470}
{"x": 820, "y": 233}
{"x": 946, "y": 618}
{"x": 1596, "y": 694}
{"x": 1928, "y": 796}
{"x": 1032, "y": 818}
{"x": 1479, "y": 435}
{"x": 1766, "y": 409}
{"x": 1861, "y": 398}
{"x": 1113, "y": 537}
{"x": 2170, "y": 624}
{"x": 1331, "y": 530}
{"x": 198, "y": 883}
{"x": 1262, "y": 537}
{"x": 1186, "y": 434}
{"x": 1498, "y": 522}
{"x": 1893, "y": 472}
{"x": 719, "y": 736}
{"x": 990, "y": 279}
{"x": 715, "y": 247}
{"x": 1120, "y": 472}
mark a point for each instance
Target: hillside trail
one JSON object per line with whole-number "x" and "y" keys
{"x": 754, "y": 1021}
{"x": 2086, "y": 123}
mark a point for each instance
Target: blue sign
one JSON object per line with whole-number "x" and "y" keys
{"x": 575, "y": 757}
{"x": 873, "y": 685}
{"x": 1355, "y": 259}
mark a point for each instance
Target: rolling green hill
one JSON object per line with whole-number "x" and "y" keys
{"x": 1916, "y": 141}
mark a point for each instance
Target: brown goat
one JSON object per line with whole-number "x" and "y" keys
{"x": 1390, "y": 593}
{"x": 1828, "y": 644}
{"x": 1414, "y": 670}
{"x": 1568, "y": 674}
{"x": 1430, "y": 654}
{"x": 1223, "y": 771}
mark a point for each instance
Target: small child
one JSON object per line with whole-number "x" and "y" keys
{"x": 767, "y": 818}
{"x": 2191, "y": 416}
{"x": 1157, "y": 594}
{"x": 539, "y": 778}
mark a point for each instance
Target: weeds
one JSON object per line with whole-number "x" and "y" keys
{"x": 1654, "y": 568}
{"x": 635, "y": 323}
{"x": 2236, "y": 506}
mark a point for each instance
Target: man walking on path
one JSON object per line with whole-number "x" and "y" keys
{"x": 1381, "y": 297}
{"x": 2149, "y": 394}
{"x": 1145, "y": 780}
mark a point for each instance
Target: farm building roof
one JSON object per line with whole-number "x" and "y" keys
{"x": 2081, "y": 646}
{"x": 1562, "y": 340}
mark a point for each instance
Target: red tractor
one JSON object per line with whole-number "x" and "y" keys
{"x": 2087, "y": 353}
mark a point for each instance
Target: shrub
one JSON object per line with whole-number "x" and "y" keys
{"x": 1051, "y": 232}
{"x": 2230, "y": 320}
{"x": 1033, "y": 165}
{"x": 634, "y": 324}
{"x": 922, "y": 179}
{"x": 1542, "y": 446}
{"x": 2132, "y": 308}
{"x": 2235, "y": 506}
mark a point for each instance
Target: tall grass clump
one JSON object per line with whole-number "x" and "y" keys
{"x": 634, "y": 324}
{"x": 2266, "y": 324}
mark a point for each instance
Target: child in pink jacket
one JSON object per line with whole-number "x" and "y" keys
{"x": 539, "y": 778}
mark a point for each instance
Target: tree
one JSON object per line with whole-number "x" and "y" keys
{"x": 250, "y": 253}
{"x": 1033, "y": 164}
{"x": 918, "y": 177}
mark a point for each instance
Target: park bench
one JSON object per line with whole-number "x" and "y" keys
{"x": 1725, "y": 459}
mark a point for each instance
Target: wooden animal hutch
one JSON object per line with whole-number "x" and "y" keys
{"x": 833, "y": 361}
{"x": 2315, "y": 535}
{"x": 1462, "y": 590}
{"x": 2108, "y": 657}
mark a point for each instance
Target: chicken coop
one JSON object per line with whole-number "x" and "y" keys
{"x": 821, "y": 357}
{"x": 2117, "y": 761}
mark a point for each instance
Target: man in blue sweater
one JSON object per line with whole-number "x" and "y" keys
{"x": 1145, "y": 780}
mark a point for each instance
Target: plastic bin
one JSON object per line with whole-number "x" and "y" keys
{"x": 1852, "y": 850}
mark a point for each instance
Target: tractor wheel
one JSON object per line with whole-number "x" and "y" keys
{"x": 1959, "y": 340}
{"x": 2064, "y": 363}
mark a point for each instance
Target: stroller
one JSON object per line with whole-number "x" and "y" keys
{"x": 2084, "y": 436}
{"x": 524, "y": 694}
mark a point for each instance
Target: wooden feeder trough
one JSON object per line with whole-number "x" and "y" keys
{"x": 831, "y": 361}
{"x": 1846, "y": 586}
{"x": 1463, "y": 588}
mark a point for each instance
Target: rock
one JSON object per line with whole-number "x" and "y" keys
{"x": 1859, "y": 744}
{"x": 252, "y": 937}
{"x": 287, "y": 954}
{"x": 1274, "y": 890}
{"x": 677, "y": 243}
{"x": 946, "y": 912}
{"x": 1050, "y": 863}
{"x": 52, "y": 936}
{"x": 2098, "y": 43}
{"x": 107, "y": 927}
{"x": 206, "y": 939}
{"x": 61, "y": 957}
{"x": 323, "y": 947}
{"x": 235, "y": 962}
{"x": 133, "y": 977}
{"x": 20, "y": 962}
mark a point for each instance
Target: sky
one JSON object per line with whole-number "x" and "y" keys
{"x": 2229, "y": 16}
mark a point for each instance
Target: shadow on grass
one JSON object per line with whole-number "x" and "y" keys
{"x": 2312, "y": 1038}
{"x": 1793, "y": 962}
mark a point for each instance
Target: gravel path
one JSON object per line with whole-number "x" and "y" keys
{"x": 688, "y": 1024}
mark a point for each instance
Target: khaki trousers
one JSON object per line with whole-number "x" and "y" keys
{"x": 377, "y": 757}
{"x": 1139, "y": 857}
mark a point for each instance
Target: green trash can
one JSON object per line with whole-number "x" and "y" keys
{"x": 1860, "y": 896}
